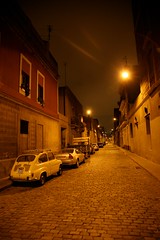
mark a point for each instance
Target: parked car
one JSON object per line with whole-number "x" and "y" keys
{"x": 35, "y": 165}
{"x": 96, "y": 147}
{"x": 84, "y": 148}
{"x": 100, "y": 144}
{"x": 92, "y": 149}
{"x": 71, "y": 156}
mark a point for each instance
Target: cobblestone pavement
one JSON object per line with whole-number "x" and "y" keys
{"x": 110, "y": 197}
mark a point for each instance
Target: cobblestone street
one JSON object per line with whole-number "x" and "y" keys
{"x": 109, "y": 197}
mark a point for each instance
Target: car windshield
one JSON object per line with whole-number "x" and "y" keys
{"x": 26, "y": 158}
{"x": 67, "y": 150}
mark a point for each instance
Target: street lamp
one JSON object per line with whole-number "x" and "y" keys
{"x": 125, "y": 77}
{"x": 125, "y": 74}
{"x": 89, "y": 121}
{"x": 89, "y": 112}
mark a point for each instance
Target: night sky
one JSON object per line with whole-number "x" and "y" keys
{"x": 89, "y": 40}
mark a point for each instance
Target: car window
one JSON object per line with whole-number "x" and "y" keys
{"x": 77, "y": 151}
{"x": 43, "y": 158}
{"x": 51, "y": 156}
{"x": 67, "y": 150}
{"x": 26, "y": 158}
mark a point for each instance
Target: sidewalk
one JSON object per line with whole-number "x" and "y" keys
{"x": 151, "y": 167}
{"x": 4, "y": 183}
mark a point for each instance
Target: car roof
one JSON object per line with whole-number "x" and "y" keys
{"x": 69, "y": 148}
{"x": 36, "y": 151}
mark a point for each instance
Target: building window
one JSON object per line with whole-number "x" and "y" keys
{"x": 40, "y": 88}
{"x": 148, "y": 127}
{"x": 25, "y": 76}
{"x": 23, "y": 127}
{"x": 131, "y": 130}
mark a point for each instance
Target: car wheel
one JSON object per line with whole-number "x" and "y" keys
{"x": 77, "y": 163}
{"x": 14, "y": 183}
{"x": 59, "y": 173}
{"x": 42, "y": 179}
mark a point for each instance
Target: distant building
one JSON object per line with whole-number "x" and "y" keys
{"x": 71, "y": 112}
{"x": 28, "y": 86}
{"x": 91, "y": 129}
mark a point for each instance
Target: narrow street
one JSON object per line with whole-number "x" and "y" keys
{"x": 109, "y": 197}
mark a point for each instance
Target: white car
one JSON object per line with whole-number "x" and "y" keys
{"x": 71, "y": 156}
{"x": 35, "y": 165}
{"x": 96, "y": 147}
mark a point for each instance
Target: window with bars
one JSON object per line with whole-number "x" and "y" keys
{"x": 25, "y": 76}
{"x": 40, "y": 88}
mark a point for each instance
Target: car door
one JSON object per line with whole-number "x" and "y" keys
{"x": 44, "y": 164}
{"x": 53, "y": 163}
{"x": 79, "y": 154}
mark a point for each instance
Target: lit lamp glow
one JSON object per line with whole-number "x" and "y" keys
{"x": 89, "y": 112}
{"x": 89, "y": 121}
{"x": 125, "y": 74}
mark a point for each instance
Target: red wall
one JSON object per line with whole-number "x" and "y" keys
{"x": 10, "y": 50}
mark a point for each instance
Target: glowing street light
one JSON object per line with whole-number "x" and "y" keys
{"x": 89, "y": 112}
{"x": 89, "y": 121}
{"x": 125, "y": 77}
{"x": 125, "y": 74}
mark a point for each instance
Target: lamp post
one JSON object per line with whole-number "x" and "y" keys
{"x": 125, "y": 76}
{"x": 88, "y": 122}
{"x": 114, "y": 129}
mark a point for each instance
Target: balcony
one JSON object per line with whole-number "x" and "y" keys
{"x": 76, "y": 124}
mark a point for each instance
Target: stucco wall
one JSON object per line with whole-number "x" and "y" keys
{"x": 39, "y": 126}
{"x": 142, "y": 143}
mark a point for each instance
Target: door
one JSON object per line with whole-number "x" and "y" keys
{"x": 53, "y": 163}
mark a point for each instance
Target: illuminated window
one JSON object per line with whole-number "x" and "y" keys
{"x": 25, "y": 76}
{"x": 40, "y": 88}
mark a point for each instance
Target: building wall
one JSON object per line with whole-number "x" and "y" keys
{"x": 43, "y": 130}
{"x": 26, "y": 122}
{"x": 70, "y": 107}
{"x": 64, "y": 129}
{"x": 12, "y": 51}
{"x": 144, "y": 142}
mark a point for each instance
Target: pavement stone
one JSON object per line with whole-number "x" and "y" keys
{"x": 150, "y": 166}
{"x": 4, "y": 183}
{"x": 110, "y": 197}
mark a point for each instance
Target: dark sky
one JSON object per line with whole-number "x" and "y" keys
{"x": 90, "y": 38}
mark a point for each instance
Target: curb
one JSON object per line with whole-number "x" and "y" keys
{"x": 5, "y": 183}
{"x": 151, "y": 167}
